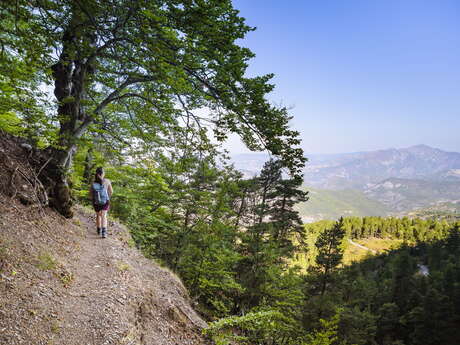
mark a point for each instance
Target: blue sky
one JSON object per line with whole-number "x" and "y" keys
{"x": 361, "y": 74}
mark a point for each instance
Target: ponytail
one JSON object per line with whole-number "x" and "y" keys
{"x": 98, "y": 176}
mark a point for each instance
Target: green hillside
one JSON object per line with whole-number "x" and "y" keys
{"x": 332, "y": 204}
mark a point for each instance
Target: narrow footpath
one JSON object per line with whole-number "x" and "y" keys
{"x": 120, "y": 297}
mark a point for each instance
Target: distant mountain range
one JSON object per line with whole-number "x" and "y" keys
{"x": 391, "y": 180}
{"x": 358, "y": 170}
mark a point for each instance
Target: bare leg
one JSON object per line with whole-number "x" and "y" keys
{"x": 104, "y": 223}
{"x": 104, "y": 219}
{"x": 99, "y": 219}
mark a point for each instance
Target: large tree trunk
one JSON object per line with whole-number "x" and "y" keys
{"x": 55, "y": 179}
{"x": 70, "y": 77}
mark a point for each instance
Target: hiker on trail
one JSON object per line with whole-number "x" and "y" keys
{"x": 100, "y": 192}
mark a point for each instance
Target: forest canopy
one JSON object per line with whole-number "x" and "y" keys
{"x": 142, "y": 73}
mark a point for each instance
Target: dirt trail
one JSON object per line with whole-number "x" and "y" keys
{"x": 98, "y": 291}
{"x": 361, "y": 246}
{"x": 122, "y": 297}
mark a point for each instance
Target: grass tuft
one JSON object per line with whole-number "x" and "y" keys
{"x": 46, "y": 262}
{"x": 123, "y": 267}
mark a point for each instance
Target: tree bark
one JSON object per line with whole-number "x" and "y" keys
{"x": 70, "y": 76}
{"x": 89, "y": 165}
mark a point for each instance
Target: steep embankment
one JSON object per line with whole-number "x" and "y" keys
{"x": 61, "y": 284}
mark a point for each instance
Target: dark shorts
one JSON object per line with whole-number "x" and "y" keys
{"x": 104, "y": 207}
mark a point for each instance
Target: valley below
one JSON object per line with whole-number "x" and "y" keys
{"x": 418, "y": 181}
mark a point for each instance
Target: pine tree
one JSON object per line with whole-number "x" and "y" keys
{"x": 270, "y": 226}
{"x": 330, "y": 253}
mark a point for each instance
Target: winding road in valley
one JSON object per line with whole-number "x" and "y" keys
{"x": 422, "y": 269}
{"x": 361, "y": 246}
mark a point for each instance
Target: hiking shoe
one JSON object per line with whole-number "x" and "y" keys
{"x": 104, "y": 233}
{"x": 99, "y": 231}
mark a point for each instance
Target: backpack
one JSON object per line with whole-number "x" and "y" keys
{"x": 100, "y": 195}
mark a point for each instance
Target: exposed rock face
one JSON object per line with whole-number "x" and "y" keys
{"x": 405, "y": 194}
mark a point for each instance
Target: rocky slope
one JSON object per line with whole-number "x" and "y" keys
{"x": 61, "y": 284}
{"x": 404, "y": 194}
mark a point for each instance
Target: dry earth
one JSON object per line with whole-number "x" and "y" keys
{"x": 62, "y": 284}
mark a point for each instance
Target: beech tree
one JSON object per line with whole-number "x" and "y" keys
{"x": 151, "y": 64}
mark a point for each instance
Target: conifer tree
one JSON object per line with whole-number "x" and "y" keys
{"x": 330, "y": 253}
{"x": 271, "y": 225}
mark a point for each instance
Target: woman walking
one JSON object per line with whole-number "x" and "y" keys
{"x": 100, "y": 192}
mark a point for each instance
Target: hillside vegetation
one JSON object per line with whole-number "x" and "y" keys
{"x": 333, "y": 204}
{"x": 449, "y": 211}
{"x": 369, "y": 236}
{"x": 405, "y": 195}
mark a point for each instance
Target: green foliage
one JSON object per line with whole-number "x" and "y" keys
{"x": 11, "y": 123}
{"x": 330, "y": 253}
{"x": 376, "y": 233}
{"x": 273, "y": 230}
{"x": 258, "y": 327}
{"x": 356, "y": 326}
{"x": 23, "y": 103}
{"x": 141, "y": 80}
{"x": 327, "y": 334}
{"x": 332, "y": 204}
{"x": 397, "y": 297}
